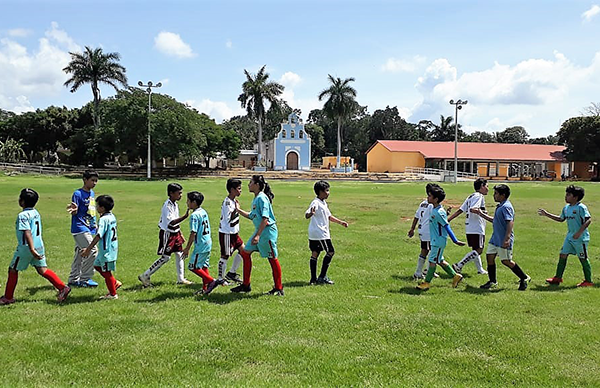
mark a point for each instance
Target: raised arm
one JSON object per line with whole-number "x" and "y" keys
{"x": 454, "y": 215}
{"x": 554, "y": 217}
{"x": 239, "y": 210}
{"x": 481, "y": 214}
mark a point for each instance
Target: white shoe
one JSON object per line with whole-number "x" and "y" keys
{"x": 109, "y": 297}
{"x": 185, "y": 281}
{"x": 145, "y": 280}
{"x": 482, "y": 272}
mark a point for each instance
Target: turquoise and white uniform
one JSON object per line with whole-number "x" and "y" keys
{"x": 267, "y": 243}
{"x": 575, "y": 216}
{"x": 108, "y": 246}
{"x": 438, "y": 234}
{"x": 28, "y": 219}
{"x": 200, "y": 225}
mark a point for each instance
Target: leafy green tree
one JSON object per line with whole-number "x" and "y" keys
{"x": 11, "y": 150}
{"x": 317, "y": 139}
{"x": 387, "y": 124}
{"x": 445, "y": 130}
{"x": 257, "y": 90}
{"x": 357, "y": 136}
{"x": 480, "y": 137}
{"x": 514, "y": 135}
{"x": 244, "y": 128}
{"x": 5, "y": 115}
{"x": 581, "y": 136}
{"x": 340, "y": 104}
{"x": 93, "y": 67}
{"x": 548, "y": 140}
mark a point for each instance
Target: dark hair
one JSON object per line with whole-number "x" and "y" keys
{"x": 173, "y": 188}
{"x": 264, "y": 186}
{"x": 502, "y": 189}
{"x": 106, "y": 201}
{"x": 576, "y": 191}
{"x": 196, "y": 196}
{"x": 87, "y": 174}
{"x": 233, "y": 183}
{"x": 321, "y": 186}
{"x": 437, "y": 192}
{"x": 29, "y": 197}
{"x": 479, "y": 182}
{"x": 430, "y": 186}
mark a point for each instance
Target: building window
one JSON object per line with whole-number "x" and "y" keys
{"x": 292, "y": 134}
{"x": 283, "y": 134}
{"x": 301, "y": 134}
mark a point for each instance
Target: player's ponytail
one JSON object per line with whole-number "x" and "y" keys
{"x": 263, "y": 186}
{"x": 268, "y": 192}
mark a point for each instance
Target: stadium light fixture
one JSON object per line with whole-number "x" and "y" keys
{"x": 149, "y": 87}
{"x": 457, "y": 106}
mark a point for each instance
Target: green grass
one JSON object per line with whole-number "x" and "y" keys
{"x": 370, "y": 329}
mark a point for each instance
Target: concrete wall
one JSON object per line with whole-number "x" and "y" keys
{"x": 380, "y": 159}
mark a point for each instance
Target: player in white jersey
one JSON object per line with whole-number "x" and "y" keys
{"x": 474, "y": 226}
{"x": 422, "y": 216}
{"x": 170, "y": 239}
{"x": 229, "y": 229}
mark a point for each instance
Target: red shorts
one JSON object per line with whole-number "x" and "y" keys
{"x": 229, "y": 243}
{"x": 169, "y": 242}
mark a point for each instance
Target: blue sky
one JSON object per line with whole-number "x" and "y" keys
{"x": 530, "y": 63}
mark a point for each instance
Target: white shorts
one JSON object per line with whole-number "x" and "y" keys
{"x": 503, "y": 253}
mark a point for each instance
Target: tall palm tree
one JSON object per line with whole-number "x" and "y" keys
{"x": 255, "y": 91}
{"x": 93, "y": 66}
{"x": 339, "y": 105}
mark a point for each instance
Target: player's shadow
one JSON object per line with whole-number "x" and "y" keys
{"x": 34, "y": 290}
{"x": 551, "y": 288}
{"x": 408, "y": 290}
{"x": 139, "y": 287}
{"x": 480, "y": 291}
{"x": 296, "y": 284}
{"x": 229, "y": 297}
{"x": 75, "y": 299}
{"x": 168, "y": 295}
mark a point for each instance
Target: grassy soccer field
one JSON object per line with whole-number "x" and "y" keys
{"x": 371, "y": 328}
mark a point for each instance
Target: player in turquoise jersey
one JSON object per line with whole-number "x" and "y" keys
{"x": 30, "y": 249}
{"x": 108, "y": 245}
{"x": 264, "y": 239}
{"x": 439, "y": 230}
{"x": 578, "y": 236}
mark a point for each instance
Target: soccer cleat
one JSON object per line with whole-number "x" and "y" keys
{"x": 90, "y": 283}
{"x": 118, "y": 284}
{"x": 324, "y": 280}
{"x": 312, "y": 282}
{"x": 185, "y": 281}
{"x": 585, "y": 283}
{"x": 5, "y": 301}
{"x": 109, "y": 297}
{"x": 482, "y": 272}
{"x": 489, "y": 285}
{"x": 241, "y": 288}
{"x": 456, "y": 279}
{"x": 456, "y": 268}
{"x": 234, "y": 277}
{"x": 145, "y": 280}
{"x": 524, "y": 283}
{"x": 75, "y": 284}
{"x": 63, "y": 294}
{"x": 554, "y": 280}
{"x": 275, "y": 292}
{"x": 417, "y": 276}
{"x": 424, "y": 286}
{"x": 212, "y": 285}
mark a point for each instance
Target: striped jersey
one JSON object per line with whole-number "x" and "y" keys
{"x": 230, "y": 218}
{"x": 170, "y": 212}
{"x": 423, "y": 214}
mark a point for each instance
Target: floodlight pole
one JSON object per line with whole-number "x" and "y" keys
{"x": 149, "y": 87}
{"x": 457, "y": 106}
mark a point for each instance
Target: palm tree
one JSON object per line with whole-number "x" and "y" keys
{"x": 445, "y": 130}
{"x": 339, "y": 105}
{"x": 255, "y": 91}
{"x": 11, "y": 150}
{"x": 93, "y": 66}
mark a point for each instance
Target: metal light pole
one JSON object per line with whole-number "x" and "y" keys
{"x": 149, "y": 87}
{"x": 457, "y": 105}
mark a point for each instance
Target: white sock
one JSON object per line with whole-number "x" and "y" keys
{"x": 420, "y": 265}
{"x": 179, "y": 266}
{"x": 222, "y": 268}
{"x": 237, "y": 260}
{"x": 156, "y": 265}
{"x": 478, "y": 264}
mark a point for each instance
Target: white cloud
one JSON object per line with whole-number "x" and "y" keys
{"x": 19, "y": 32}
{"x": 228, "y": 44}
{"x": 62, "y": 38}
{"x": 394, "y": 65}
{"x": 588, "y": 15}
{"x": 217, "y": 110}
{"x": 171, "y": 44}
{"x": 289, "y": 79}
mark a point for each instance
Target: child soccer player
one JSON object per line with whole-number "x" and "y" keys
{"x": 264, "y": 239}
{"x": 578, "y": 237}
{"x": 229, "y": 228}
{"x": 501, "y": 243}
{"x": 318, "y": 233}
{"x": 30, "y": 249}
{"x": 83, "y": 228}
{"x": 106, "y": 260}
{"x": 200, "y": 237}
{"x": 439, "y": 230}
{"x": 170, "y": 239}
{"x": 422, "y": 216}
{"x": 474, "y": 226}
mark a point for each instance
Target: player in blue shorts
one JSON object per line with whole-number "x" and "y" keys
{"x": 30, "y": 249}
{"x": 264, "y": 239}
{"x": 578, "y": 236}
{"x": 108, "y": 245}
{"x": 200, "y": 237}
{"x": 439, "y": 230}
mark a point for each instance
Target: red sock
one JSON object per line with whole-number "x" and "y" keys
{"x": 11, "y": 284}
{"x": 203, "y": 273}
{"x": 276, "y": 268}
{"x": 111, "y": 282}
{"x": 247, "y": 267}
{"x": 54, "y": 279}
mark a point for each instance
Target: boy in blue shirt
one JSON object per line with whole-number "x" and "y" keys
{"x": 200, "y": 237}
{"x": 106, "y": 260}
{"x": 30, "y": 249}
{"x": 83, "y": 227}
{"x": 578, "y": 237}
{"x": 501, "y": 243}
{"x": 439, "y": 230}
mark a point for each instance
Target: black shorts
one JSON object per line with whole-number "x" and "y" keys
{"x": 476, "y": 241}
{"x": 321, "y": 245}
{"x": 426, "y": 245}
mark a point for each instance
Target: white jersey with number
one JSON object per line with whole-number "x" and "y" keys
{"x": 318, "y": 228}
{"x": 474, "y": 224}
{"x": 170, "y": 212}
{"x": 423, "y": 214}
{"x": 230, "y": 218}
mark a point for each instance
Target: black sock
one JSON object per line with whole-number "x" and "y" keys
{"x": 519, "y": 272}
{"x": 313, "y": 268}
{"x": 325, "y": 266}
{"x": 492, "y": 273}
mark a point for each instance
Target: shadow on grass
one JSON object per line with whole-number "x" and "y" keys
{"x": 168, "y": 295}
{"x": 34, "y": 290}
{"x": 296, "y": 284}
{"x": 480, "y": 291}
{"x": 76, "y": 299}
{"x": 407, "y": 290}
{"x": 226, "y": 298}
{"x": 551, "y": 288}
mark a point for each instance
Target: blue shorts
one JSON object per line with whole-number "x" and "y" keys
{"x": 199, "y": 260}
{"x": 436, "y": 254}
{"x": 106, "y": 266}
{"x": 267, "y": 243}
{"x": 23, "y": 258}
{"x": 574, "y": 247}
